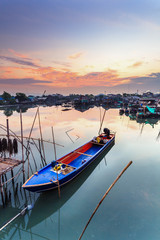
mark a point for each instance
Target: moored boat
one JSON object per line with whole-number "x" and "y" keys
{"x": 45, "y": 201}
{"x": 66, "y": 168}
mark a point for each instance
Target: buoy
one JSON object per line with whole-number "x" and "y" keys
{"x": 15, "y": 146}
{"x": 4, "y": 145}
{"x": 10, "y": 146}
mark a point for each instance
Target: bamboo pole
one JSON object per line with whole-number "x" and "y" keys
{"x": 12, "y": 178}
{"x": 59, "y": 193}
{"x": 33, "y": 158}
{"x": 104, "y": 197}
{"x": 27, "y": 154}
{"x": 6, "y": 195}
{"x": 28, "y": 161}
{"x": 42, "y": 157}
{"x": 4, "y": 189}
{"x": 7, "y": 123}
{"x": 22, "y": 144}
{"x": 68, "y": 135}
{"x": 1, "y": 186}
{"x": 102, "y": 121}
{"x": 13, "y": 135}
{"x": 39, "y": 150}
{"x": 5, "y": 176}
{"x": 33, "y": 124}
{"x": 9, "y": 197}
{"x": 54, "y": 144}
{"x": 21, "y": 213}
{"x": 40, "y": 129}
{"x": 16, "y": 190}
{"x": 100, "y": 116}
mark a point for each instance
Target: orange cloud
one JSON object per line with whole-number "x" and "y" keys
{"x": 76, "y": 55}
{"x": 136, "y": 64}
{"x": 50, "y": 76}
{"x": 15, "y": 72}
{"x": 17, "y": 54}
{"x": 73, "y": 79}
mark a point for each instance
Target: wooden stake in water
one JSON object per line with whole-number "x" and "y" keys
{"x": 59, "y": 193}
{"x": 40, "y": 129}
{"x": 54, "y": 144}
{"x": 29, "y": 207}
{"x": 42, "y": 158}
{"x": 104, "y": 197}
{"x": 7, "y": 123}
{"x": 102, "y": 121}
{"x": 22, "y": 144}
{"x": 1, "y": 186}
{"x": 29, "y": 139}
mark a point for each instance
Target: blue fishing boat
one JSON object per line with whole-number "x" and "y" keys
{"x": 66, "y": 168}
{"x": 45, "y": 201}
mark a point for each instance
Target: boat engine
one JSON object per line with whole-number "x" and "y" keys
{"x": 107, "y": 132}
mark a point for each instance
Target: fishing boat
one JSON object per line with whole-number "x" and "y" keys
{"x": 45, "y": 201}
{"x": 66, "y": 168}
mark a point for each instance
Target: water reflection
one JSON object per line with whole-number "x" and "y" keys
{"x": 131, "y": 211}
{"x": 9, "y": 110}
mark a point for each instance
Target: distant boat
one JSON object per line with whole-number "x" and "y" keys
{"x": 66, "y": 109}
{"x": 121, "y": 111}
{"x": 66, "y": 168}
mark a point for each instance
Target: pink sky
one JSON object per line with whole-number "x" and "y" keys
{"x": 79, "y": 48}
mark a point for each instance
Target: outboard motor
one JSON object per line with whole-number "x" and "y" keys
{"x": 53, "y": 164}
{"x": 107, "y": 132}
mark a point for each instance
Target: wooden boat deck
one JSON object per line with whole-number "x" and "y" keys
{"x": 85, "y": 156}
{"x": 6, "y": 164}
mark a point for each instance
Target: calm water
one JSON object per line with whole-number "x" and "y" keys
{"x": 131, "y": 211}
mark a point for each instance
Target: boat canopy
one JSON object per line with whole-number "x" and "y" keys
{"x": 152, "y": 110}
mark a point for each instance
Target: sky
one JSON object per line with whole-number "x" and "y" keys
{"x": 79, "y": 46}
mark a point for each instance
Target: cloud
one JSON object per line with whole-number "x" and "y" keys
{"x": 76, "y": 55}
{"x": 64, "y": 64}
{"x": 19, "y": 61}
{"x": 155, "y": 75}
{"x": 142, "y": 83}
{"x": 17, "y": 54}
{"x": 73, "y": 79}
{"x": 65, "y": 79}
{"x": 22, "y": 81}
{"x": 149, "y": 80}
{"x": 136, "y": 64}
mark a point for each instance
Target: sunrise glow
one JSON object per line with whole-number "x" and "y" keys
{"x": 79, "y": 46}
